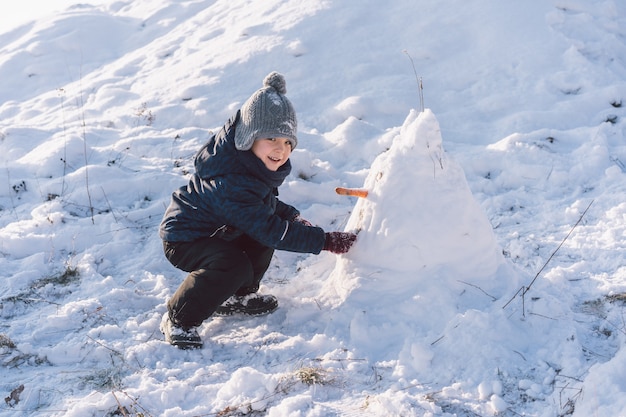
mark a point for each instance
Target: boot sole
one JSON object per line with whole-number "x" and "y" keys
{"x": 226, "y": 312}
{"x": 185, "y": 344}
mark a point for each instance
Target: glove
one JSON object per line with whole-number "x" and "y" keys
{"x": 300, "y": 220}
{"x": 339, "y": 242}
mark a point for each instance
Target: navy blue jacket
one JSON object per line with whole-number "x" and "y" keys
{"x": 232, "y": 193}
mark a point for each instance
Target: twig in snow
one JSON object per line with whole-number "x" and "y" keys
{"x": 477, "y": 287}
{"x": 64, "y": 159}
{"x": 84, "y": 126}
{"x": 438, "y": 340}
{"x": 120, "y": 407}
{"x": 118, "y": 353}
{"x": 134, "y": 406}
{"x": 420, "y": 86}
{"x": 524, "y": 290}
{"x": 109, "y": 204}
{"x": 619, "y": 163}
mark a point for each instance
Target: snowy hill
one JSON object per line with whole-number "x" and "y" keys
{"x": 488, "y": 277}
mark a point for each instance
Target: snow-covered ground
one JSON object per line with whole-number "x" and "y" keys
{"x": 489, "y": 277}
{"x": 15, "y": 14}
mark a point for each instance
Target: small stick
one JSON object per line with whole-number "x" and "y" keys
{"x": 420, "y": 86}
{"x": 524, "y": 289}
{"x": 354, "y": 192}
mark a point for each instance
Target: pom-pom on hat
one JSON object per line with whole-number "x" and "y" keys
{"x": 267, "y": 114}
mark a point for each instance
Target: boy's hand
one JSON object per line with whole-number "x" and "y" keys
{"x": 339, "y": 242}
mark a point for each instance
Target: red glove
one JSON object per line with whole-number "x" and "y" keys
{"x": 300, "y": 220}
{"x": 339, "y": 242}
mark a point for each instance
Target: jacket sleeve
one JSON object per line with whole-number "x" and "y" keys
{"x": 286, "y": 211}
{"x": 241, "y": 205}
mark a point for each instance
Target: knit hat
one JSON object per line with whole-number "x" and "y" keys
{"x": 267, "y": 114}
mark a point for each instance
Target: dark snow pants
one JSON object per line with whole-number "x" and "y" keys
{"x": 217, "y": 270}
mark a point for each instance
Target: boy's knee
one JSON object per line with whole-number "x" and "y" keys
{"x": 234, "y": 261}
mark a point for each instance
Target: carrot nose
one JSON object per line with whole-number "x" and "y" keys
{"x": 354, "y": 192}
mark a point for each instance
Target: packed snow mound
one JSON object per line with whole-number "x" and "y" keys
{"x": 415, "y": 184}
{"x": 419, "y": 219}
{"x": 425, "y": 254}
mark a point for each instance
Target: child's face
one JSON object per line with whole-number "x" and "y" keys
{"x": 274, "y": 152}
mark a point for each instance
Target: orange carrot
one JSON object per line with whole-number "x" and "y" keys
{"x": 354, "y": 192}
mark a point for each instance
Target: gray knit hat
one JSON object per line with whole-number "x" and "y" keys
{"x": 267, "y": 114}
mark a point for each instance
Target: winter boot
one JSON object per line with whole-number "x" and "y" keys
{"x": 180, "y": 337}
{"x": 251, "y": 305}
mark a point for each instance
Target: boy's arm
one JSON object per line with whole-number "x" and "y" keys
{"x": 286, "y": 211}
{"x": 243, "y": 209}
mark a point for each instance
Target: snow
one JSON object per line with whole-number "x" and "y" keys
{"x": 511, "y": 181}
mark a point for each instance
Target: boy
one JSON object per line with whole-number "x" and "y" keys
{"x": 223, "y": 227}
